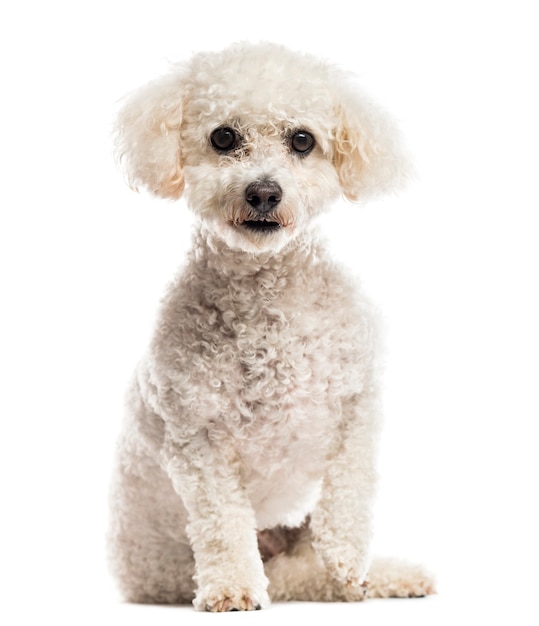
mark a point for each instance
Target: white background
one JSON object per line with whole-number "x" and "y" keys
{"x": 453, "y": 263}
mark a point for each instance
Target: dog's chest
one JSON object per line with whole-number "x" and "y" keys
{"x": 278, "y": 347}
{"x": 265, "y": 359}
{"x": 281, "y": 407}
{"x": 262, "y": 365}
{"x": 280, "y": 364}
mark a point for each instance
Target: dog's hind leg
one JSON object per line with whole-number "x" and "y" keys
{"x": 299, "y": 574}
{"x": 149, "y": 554}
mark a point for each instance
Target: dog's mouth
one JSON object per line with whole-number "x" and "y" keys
{"x": 261, "y": 226}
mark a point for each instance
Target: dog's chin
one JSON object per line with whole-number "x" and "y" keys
{"x": 255, "y": 236}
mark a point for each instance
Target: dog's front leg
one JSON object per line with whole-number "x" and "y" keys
{"x": 342, "y": 520}
{"x": 221, "y": 528}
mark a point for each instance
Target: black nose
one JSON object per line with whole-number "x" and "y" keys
{"x": 263, "y": 195}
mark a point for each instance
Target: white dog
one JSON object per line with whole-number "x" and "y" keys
{"x": 246, "y": 467}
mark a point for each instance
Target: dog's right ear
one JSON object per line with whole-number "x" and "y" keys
{"x": 147, "y": 136}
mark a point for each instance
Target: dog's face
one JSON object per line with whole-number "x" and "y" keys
{"x": 258, "y": 185}
{"x": 256, "y": 156}
{"x": 262, "y": 140}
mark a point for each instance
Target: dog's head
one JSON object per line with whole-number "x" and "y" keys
{"x": 261, "y": 139}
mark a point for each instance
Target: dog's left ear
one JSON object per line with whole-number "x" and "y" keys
{"x": 147, "y": 136}
{"x": 368, "y": 151}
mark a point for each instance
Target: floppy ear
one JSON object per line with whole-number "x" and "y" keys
{"x": 147, "y": 136}
{"x": 368, "y": 154}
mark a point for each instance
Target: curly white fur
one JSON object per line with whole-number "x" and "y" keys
{"x": 252, "y": 420}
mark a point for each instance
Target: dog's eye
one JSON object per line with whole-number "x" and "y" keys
{"x": 224, "y": 139}
{"x": 302, "y": 142}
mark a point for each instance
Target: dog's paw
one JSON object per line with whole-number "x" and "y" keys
{"x": 351, "y": 577}
{"x": 225, "y": 604}
{"x": 231, "y": 599}
{"x": 394, "y": 578}
{"x": 347, "y": 567}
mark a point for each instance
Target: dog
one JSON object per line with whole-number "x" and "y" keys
{"x": 246, "y": 466}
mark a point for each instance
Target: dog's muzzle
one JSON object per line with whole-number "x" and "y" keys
{"x": 263, "y": 196}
